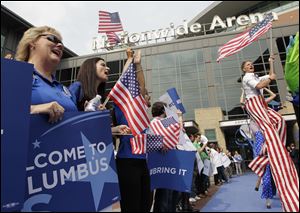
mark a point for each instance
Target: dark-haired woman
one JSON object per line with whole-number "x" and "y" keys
{"x": 91, "y": 81}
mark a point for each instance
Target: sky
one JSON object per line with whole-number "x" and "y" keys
{"x": 78, "y": 21}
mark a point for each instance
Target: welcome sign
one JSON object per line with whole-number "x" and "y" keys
{"x": 71, "y": 165}
{"x": 67, "y": 166}
{"x": 16, "y": 83}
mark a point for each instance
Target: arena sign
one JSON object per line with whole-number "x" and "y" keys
{"x": 172, "y": 32}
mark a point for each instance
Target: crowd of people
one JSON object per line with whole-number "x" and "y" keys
{"x": 43, "y": 47}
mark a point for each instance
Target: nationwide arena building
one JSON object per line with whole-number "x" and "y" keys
{"x": 185, "y": 56}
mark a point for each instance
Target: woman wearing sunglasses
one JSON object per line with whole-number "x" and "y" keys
{"x": 42, "y": 46}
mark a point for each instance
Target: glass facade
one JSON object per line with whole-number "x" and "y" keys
{"x": 187, "y": 72}
{"x": 190, "y": 66}
{"x": 194, "y": 72}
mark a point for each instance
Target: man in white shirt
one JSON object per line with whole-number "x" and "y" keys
{"x": 274, "y": 128}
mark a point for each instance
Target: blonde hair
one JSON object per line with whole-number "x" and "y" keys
{"x": 31, "y": 35}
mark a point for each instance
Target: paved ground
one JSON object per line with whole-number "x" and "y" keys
{"x": 236, "y": 196}
{"x": 239, "y": 196}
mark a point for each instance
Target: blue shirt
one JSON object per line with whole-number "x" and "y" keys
{"x": 124, "y": 150}
{"x": 76, "y": 91}
{"x": 44, "y": 91}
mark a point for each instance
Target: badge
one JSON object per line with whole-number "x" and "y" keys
{"x": 66, "y": 91}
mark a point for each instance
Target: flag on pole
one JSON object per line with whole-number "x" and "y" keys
{"x": 246, "y": 38}
{"x": 169, "y": 128}
{"x": 172, "y": 99}
{"x": 145, "y": 143}
{"x": 113, "y": 38}
{"x": 109, "y": 22}
{"x": 126, "y": 94}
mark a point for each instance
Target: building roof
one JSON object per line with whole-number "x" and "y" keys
{"x": 223, "y": 9}
{"x": 20, "y": 25}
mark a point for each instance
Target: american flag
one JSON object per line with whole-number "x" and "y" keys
{"x": 245, "y": 38}
{"x": 126, "y": 95}
{"x": 169, "y": 128}
{"x": 145, "y": 143}
{"x": 109, "y": 22}
{"x": 258, "y": 165}
{"x": 113, "y": 38}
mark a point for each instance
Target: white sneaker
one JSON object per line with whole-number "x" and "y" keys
{"x": 192, "y": 200}
{"x": 197, "y": 198}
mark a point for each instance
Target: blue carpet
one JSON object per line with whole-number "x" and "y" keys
{"x": 239, "y": 196}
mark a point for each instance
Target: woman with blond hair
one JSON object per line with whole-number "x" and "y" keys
{"x": 43, "y": 47}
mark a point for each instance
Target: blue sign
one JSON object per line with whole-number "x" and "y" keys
{"x": 71, "y": 165}
{"x": 172, "y": 99}
{"x": 16, "y": 83}
{"x": 176, "y": 99}
{"x": 171, "y": 170}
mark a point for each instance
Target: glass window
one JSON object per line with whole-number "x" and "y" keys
{"x": 187, "y": 57}
{"x": 65, "y": 75}
{"x": 2, "y": 44}
{"x": 2, "y": 40}
{"x": 210, "y": 134}
{"x": 200, "y": 58}
{"x": 114, "y": 67}
{"x": 188, "y": 69}
{"x": 166, "y": 60}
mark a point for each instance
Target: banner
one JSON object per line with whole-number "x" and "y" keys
{"x": 71, "y": 165}
{"x": 200, "y": 164}
{"x": 207, "y": 168}
{"x": 16, "y": 83}
{"x": 171, "y": 170}
{"x": 172, "y": 99}
{"x": 225, "y": 160}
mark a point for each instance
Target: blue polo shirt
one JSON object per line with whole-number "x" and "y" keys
{"x": 124, "y": 150}
{"x": 76, "y": 91}
{"x": 44, "y": 91}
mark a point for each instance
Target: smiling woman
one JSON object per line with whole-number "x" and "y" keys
{"x": 42, "y": 46}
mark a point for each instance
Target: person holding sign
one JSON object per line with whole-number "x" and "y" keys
{"x": 165, "y": 200}
{"x": 43, "y": 47}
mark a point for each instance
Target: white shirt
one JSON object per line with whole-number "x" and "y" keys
{"x": 203, "y": 139}
{"x": 185, "y": 143}
{"x": 250, "y": 80}
{"x": 215, "y": 157}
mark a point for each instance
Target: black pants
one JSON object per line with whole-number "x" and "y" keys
{"x": 165, "y": 200}
{"x": 221, "y": 173}
{"x": 134, "y": 182}
{"x": 203, "y": 183}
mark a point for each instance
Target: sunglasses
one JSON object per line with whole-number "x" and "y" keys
{"x": 52, "y": 38}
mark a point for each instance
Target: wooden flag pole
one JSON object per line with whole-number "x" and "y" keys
{"x": 106, "y": 100}
{"x": 271, "y": 43}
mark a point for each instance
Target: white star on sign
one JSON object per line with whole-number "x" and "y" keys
{"x": 36, "y": 144}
